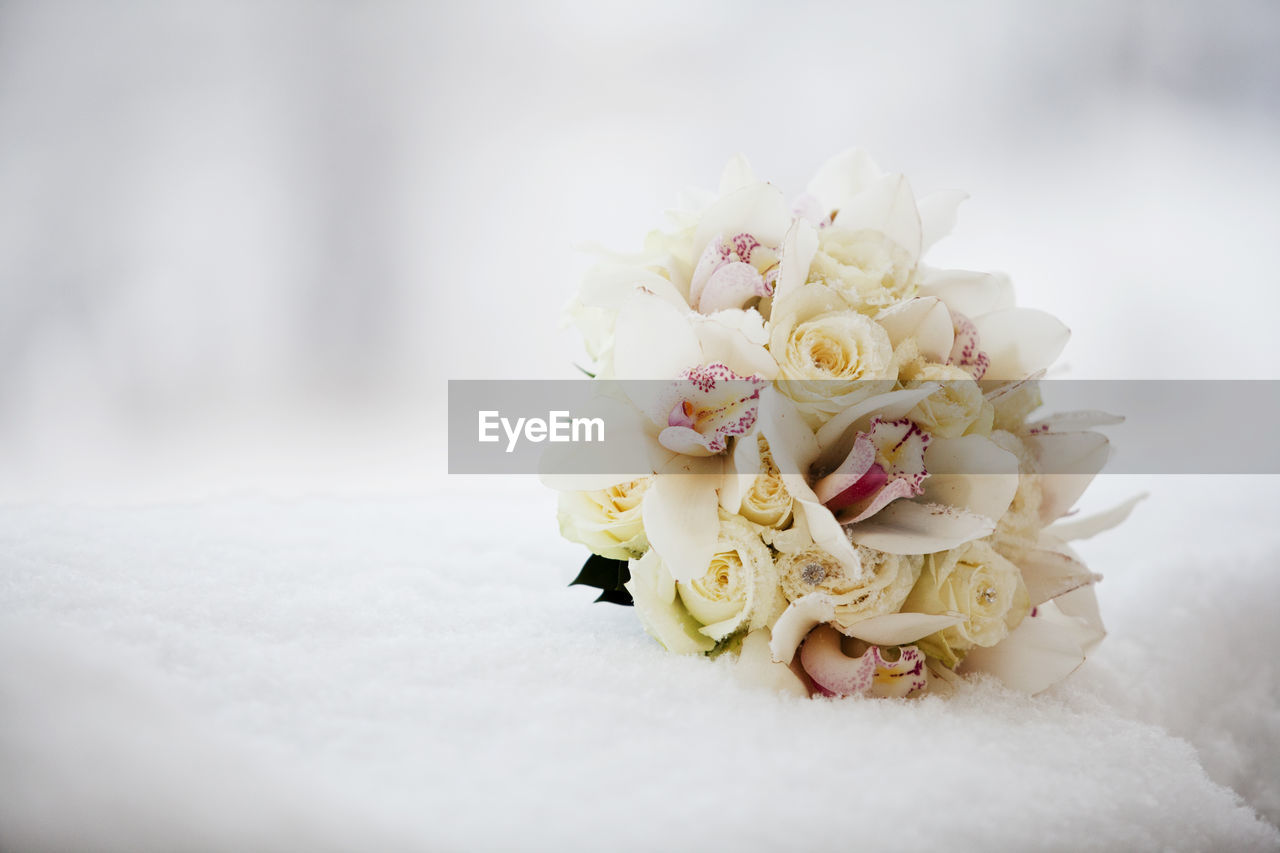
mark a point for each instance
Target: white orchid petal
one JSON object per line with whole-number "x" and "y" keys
{"x": 826, "y": 533}
{"x": 1074, "y": 421}
{"x": 1036, "y": 655}
{"x": 737, "y": 175}
{"x": 681, "y": 522}
{"x": 841, "y": 178}
{"x": 1080, "y": 606}
{"x": 926, "y": 319}
{"x": 970, "y": 293}
{"x": 909, "y": 527}
{"x": 757, "y": 668}
{"x": 1090, "y": 526}
{"x": 653, "y": 340}
{"x": 1049, "y": 574}
{"x": 896, "y": 629}
{"x": 790, "y": 440}
{"x": 1020, "y": 341}
{"x": 797, "y": 621}
{"x": 735, "y": 338}
{"x": 608, "y": 286}
{"x": 938, "y": 215}
{"x": 1071, "y": 460}
{"x": 759, "y": 210}
{"x": 887, "y": 205}
{"x": 798, "y": 249}
{"x": 971, "y": 472}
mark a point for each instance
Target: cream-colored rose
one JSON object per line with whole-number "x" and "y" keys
{"x": 1018, "y": 531}
{"x": 957, "y": 408}
{"x": 767, "y": 502}
{"x": 884, "y": 585}
{"x": 829, "y": 356}
{"x": 978, "y": 583}
{"x": 738, "y": 591}
{"x": 864, "y": 266}
{"x": 607, "y": 521}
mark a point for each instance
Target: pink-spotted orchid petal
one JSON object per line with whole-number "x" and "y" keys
{"x": 926, "y": 319}
{"x": 1090, "y": 526}
{"x": 1049, "y": 574}
{"x": 967, "y": 292}
{"x": 1020, "y": 341}
{"x": 911, "y": 527}
{"x": 707, "y": 407}
{"x": 971, "y": 472}
{"x": 731, "y": 286}
{"x": 886, "y": 205}
{"x": 836, "y": 674}
{"x": 938, "y": 215}
{"x": 857, "y": 490}
{"x": 966, "y": 349}
{"x": 1070, "y": 461}
{"x": 759, "y": 210}
{"x": 835, "y": 438}
{"x": 682, "y": 522}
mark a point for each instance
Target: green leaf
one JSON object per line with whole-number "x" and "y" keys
{"x": 584, "y": 370}
{"x": 606, "y": 575}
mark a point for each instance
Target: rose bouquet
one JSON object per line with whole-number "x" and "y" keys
{"x": 843, "y": 484}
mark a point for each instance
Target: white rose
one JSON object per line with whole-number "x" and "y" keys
{"x": 864, "y": 266}
{"x": 738, "y": 591}
{"x": 767, "y": 502}
{"x": 608, "y": 521}
{"x": 827, "y": 354}
{"x": 957, "y": 408}
{"x": 978, "y": 583}
{"x": 882, "y": 588}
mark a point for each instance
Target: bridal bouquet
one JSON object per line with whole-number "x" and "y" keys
{"x": 844, "y": 484}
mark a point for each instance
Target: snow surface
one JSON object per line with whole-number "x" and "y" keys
{"x": 413, "y": 674}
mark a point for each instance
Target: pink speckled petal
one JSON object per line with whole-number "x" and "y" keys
{"x": 730, "y": 286}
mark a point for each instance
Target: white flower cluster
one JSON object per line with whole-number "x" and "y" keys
{"x": 834, "y": 496}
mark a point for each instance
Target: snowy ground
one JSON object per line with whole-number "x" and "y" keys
{"x": 413, "y": 674}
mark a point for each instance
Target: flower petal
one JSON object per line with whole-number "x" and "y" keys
{"x": 831, "y": 669}
{"x": 836, "y": 437}
{"x": 1039, "y": 653}
{"x": 798, "y": 249}
{"x": 1090, "y": 526}
{"x": 757, "y": 668}
{"x": 682, "y": 523}
{"x": 664, "y": 618}
{"x": 797, "y": 621}
{"x": 972, "y": 473}
{"x": 970, "y": 293}
{"x": 737, "y": 175}
{"x": 1074, "y": 421}
{"x": 730, "y": 286}
{"x": 938, "y": 215}
{"x": 759, "y": 210}
{"x": 1070, "y": 461}
{"x": 1020, "y": 341}
{"x": 896, "y": 629}
{"x": 886, "y": 205}
{"x": 1049, "y": 574}
{"x": 909, "y": 527}
{"x": 841, "y": 178}
{"x": 653, "y": 340}
{"x": 924, "y": 318}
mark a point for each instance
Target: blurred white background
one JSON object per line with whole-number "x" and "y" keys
{"x": 244, "y": 245}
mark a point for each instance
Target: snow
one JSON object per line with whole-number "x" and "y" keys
{"x": 413, "y": 674}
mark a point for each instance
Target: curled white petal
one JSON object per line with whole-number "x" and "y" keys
{"x": 971, "y": 472}
{"x": 1049, "y": 574}
{"x": 908, "y": 527}
{"x": 938, "y": 215}
{"x": 927, "y": 320}
{"x": 682, "y": 522}
{"x": 1090, "y": 526}
{"x": 1020, "y": 341}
